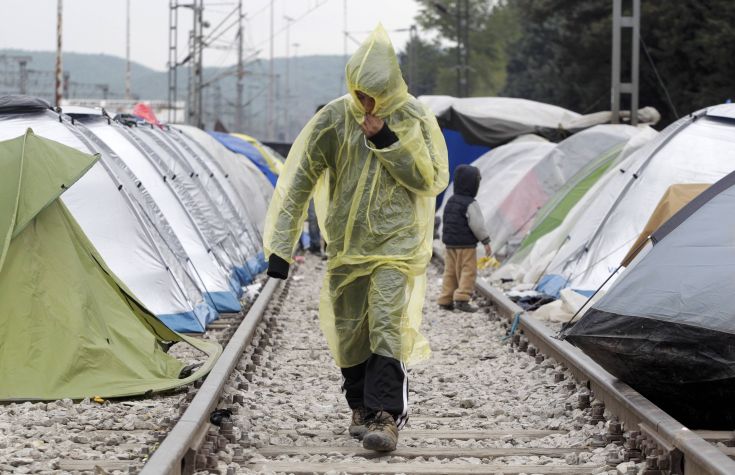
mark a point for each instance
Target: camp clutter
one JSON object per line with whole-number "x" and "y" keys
{"x": 118, "y": 235}
{"x": 625, "y": 231}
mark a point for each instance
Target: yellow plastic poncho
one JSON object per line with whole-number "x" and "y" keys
{"x": 375, "y": 208}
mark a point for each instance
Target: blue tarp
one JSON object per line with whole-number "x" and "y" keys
{"x": 242, "y": 147}
{"x": 460, "y": 152}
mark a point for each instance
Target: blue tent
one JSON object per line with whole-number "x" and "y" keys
{"x": 240, "y": 146}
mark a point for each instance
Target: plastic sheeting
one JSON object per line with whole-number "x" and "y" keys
{"x": 696, "y": 149}
{"x": 667, "y": 325}
{"x": 375, "y": 206}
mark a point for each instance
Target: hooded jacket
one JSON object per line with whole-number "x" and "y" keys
{"x": 464, "y": 225}
{"x": 374, "y": 198}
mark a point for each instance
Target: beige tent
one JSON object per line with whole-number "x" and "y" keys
{"x": 675, "y": 198}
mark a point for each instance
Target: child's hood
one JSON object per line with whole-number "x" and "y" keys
{"x": 466, "y": 180}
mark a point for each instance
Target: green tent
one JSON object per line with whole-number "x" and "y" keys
{"x": 68, "y": 327}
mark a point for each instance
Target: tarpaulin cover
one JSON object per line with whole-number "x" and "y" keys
{"x": 667, "y": 325}
{"x": 493, "y": 121}
{"x": 70, "y": 328}
{"x": 242, "y": 147}
{"x": 375, "y": 206}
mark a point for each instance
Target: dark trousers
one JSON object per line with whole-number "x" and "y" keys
{"x": 378, "y": 384}
{"x": 314, "y": 235}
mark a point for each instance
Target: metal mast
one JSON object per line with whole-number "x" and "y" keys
{"x": 173, "y": 35}
{"x": 240, "y": 71}
{"x": 59, "y": 67}
{"x": 618, "y": 88}
{"x": 271, "y": 85}
{"x": 128, "y": 92}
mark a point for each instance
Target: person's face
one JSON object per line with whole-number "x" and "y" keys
{"x": 368, "y": 103}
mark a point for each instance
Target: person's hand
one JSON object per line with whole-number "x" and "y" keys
{"x": 372, "y": 125}
{"x": 488, "y": 250}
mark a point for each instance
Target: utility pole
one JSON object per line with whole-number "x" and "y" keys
{"x": 286, "y": 121}
{"x": 59, "y": 67}
{"x": 271, "y": 85}
{"x": 173, "y": 60}
{"x": 344, "y": 44}
{"x": 196, "y": 83}
{"x": 412, "y": 76}
{"x": 462, "y": 12}
{"x": 240, "y": 70}
{"x": 23, "y": 75}
{"x": 128, "y": 92}
{"x": 618, "y": 87}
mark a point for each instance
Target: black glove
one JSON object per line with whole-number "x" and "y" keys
{"x": 277, "y": 267}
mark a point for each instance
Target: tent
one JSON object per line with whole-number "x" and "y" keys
{"x": 249, "y": 229}
{"x": 242, "y": 147}
{"x": 501, "y": 170}
{"x": 127, "y": 237}
{"x": 234, "y": 217}
{"x": 581, "y": 156}
{"x": 160, "y": 205}
{"x": 70, "y": 328}
{"x": 252, "y": 186}
{"x": 667, "y": 325}
{"x": 493, "y": 121}
{"x": 274, "y": 159}
{"x": 208, "y": 221}
{"x": 675, "y": 197}
{"x": 561, "y": 213}
{"x": 696, "y": 149}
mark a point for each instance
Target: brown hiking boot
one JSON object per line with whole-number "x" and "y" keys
{"x": 382, "y": 433}
{"x": 464, "y": 306}
{"x": 446, "y": 306}
{"x": 357, "y": 426}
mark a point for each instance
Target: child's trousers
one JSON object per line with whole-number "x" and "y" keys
{"x": 460, "y": 271}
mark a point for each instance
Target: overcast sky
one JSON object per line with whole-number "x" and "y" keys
{"x": 98, "y": 26}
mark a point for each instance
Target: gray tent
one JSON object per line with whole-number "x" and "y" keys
{"x": 667, "y": 327}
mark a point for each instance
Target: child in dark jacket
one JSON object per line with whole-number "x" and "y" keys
{"x": 463, "y": 228}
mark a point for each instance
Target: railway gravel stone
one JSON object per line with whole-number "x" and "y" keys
{"x": 473, "y": 382}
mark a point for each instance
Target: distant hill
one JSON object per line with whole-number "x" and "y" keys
{"x": 314, "y": 80}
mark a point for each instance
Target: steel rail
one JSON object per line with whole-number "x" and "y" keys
{"x": 634, "y": 410}
{"x": 172, "y": 455}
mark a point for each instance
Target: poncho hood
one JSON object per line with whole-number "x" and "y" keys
{"x": 374, "y": 70}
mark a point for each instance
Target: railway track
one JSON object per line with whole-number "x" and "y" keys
{"x": 485, "y": 403}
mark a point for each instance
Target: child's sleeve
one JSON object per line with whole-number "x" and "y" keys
{"x": 477, "y": 223}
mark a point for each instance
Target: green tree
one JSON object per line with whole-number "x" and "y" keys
{"x": 493, "y": 26}
{"x": 562, "y": 55}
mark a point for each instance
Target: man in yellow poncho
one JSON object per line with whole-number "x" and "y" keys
{"x": 374, "y": 160}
